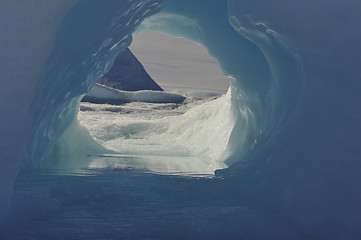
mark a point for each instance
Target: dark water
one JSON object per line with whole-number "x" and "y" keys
{"x": 131, "y": 204}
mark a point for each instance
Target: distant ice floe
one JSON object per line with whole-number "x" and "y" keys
{"x": 103, "y": 94}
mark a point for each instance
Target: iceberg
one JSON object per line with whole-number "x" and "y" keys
{"x": 128, "y": 74}
{"x": 294, "y": 150}
{"x": 104, "y": 94}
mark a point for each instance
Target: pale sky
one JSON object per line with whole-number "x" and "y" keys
{"x": 177, "y": 62}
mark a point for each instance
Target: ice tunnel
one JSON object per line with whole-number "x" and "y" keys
{"x": 295, "y": 83}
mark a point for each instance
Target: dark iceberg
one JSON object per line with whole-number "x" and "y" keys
{"x": 128, "y": 74}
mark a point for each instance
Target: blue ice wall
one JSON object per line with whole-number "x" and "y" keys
{"x": 86, "y": 45}
{"x": 27, "y": 34}
{"x": 296, "y": 87}
{"x": 207, "y": 23}
{"x": 52, "y": 54}
{"x": 307, "y": 162}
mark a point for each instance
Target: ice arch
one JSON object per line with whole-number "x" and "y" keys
{"x": 241, "y": 60}
{"x": 296, "y": 82}
{"x": 81, "y": 43}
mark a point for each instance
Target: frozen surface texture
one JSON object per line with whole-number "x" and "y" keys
{"x": 295, "y": 80}
{"x": 169, "y": 137}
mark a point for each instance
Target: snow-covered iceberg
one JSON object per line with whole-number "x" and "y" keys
{"x": 104, "y": 94}
{"x": 295, "y": 80}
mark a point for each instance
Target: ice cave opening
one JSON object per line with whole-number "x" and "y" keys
{"x": 181, "y": 126}
{"x": 205, "y": 138}
{"x": 58, "y": 139}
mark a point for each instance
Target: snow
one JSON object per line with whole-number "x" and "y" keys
{"x": 103, "y": 94}
{"x": 169, "y": 138}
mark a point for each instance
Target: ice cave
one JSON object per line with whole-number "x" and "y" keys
{"x": 282, "y": 147}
